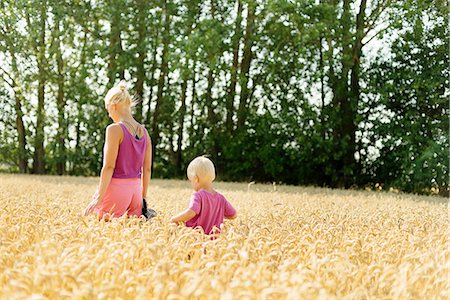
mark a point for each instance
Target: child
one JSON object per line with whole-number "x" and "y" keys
{"x": 126, "y": 167}
{"x": 207, "y": 208}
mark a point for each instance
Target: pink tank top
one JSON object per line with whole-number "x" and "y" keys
{"x": 130, "y": 157}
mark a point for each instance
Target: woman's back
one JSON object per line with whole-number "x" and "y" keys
{"x": 131, "y": 154}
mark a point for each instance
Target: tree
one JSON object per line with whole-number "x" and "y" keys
{"x": 234, "y": 68}
{"x": 13, "y": 41}
{"x": 116, "y": 69}
{"x": 410, "y": 120}
{"x": 61, "y": 155}
{"x": 245, "y": 64}
{"x": 271, "y": 89}
{"x": 188, "y": 49}
{"x": 37, "y": 25}
{"x": 141, "y": 21}
{"x": 164, "y": 68}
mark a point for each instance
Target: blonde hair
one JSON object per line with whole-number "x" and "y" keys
{"x": 202, "y": 167}
{"x": 120, "y": 94}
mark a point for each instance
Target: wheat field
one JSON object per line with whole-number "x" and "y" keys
{"x": 287, "y": 243}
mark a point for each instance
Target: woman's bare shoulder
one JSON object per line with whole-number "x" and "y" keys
{"x": 114, "y": 130}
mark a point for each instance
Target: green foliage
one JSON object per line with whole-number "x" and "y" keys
{"x": 412, "y": 88}
{"x": 307, "y": 119}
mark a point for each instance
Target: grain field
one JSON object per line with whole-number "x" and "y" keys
{"x": 287, "y": 243}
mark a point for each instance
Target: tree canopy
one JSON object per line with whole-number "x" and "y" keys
{"x": 333, "y": 93}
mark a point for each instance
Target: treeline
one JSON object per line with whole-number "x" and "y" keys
{"x": 332, "y": 93}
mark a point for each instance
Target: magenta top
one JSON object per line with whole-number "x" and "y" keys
{"x": 210, "y": 209}
{"x": 130, "y": 157}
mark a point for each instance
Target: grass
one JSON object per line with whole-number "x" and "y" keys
{"x": 287, "y": 243}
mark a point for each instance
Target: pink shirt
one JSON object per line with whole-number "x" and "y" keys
{"x": 210, "y": 209}
{"x": 130, "y": 157}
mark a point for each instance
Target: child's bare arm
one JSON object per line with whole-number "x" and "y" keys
{"x": 183, "y": 216}
{"x": 231, "y": 217}
{"x": 230, "y": 211}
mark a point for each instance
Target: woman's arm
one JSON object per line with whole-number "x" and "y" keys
{"x": 147, "y": 168}
{"x": 113, "y": 136}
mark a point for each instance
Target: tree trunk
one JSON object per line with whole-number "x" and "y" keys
{"x": 193, "y": 100}
{"x": 77, "y": 138}
{"x": 245, "y": 65}
{"x": 208, "y": 98}
{"x": 322, "y": 88}
{"x": 351, "y": 125}
{"x": 21, "y": 133}
{"x": 61, "y": 104}
{"x": 38, "y": 163}
{"x": 210, "y": 77}
{"x": 162, "y": 75}
{"x": 182, "y": 112}
{"x": 75, "y": 162}
{"x": 340, "y": 87}
{"x": 19, "y": 99}
{"x": 152, "y": 79}
{"x": 140, "y": 74}
{"x": 234, "y": 68}
{"x": 344, "y": 101}
{"x": 115, "y": 66}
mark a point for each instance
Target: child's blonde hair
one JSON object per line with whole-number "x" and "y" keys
{"x": 202, "y": 167}
{"x": 119, "y": 94}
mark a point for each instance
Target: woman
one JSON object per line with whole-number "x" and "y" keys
{"x": 126, "y": 167}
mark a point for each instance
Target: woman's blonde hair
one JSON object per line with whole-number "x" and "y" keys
{"x": 120, "y": 94}
{"x": 202, "y": 167}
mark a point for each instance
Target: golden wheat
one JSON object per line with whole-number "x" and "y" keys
{"x": 287, "y": 243}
